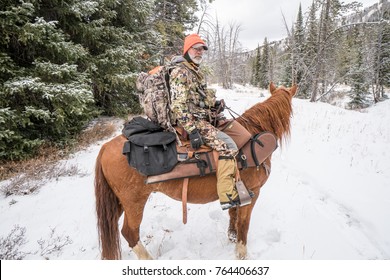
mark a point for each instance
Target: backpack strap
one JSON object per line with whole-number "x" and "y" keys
{"x": 146, "y": 152}
{"x": 165, "y": 156}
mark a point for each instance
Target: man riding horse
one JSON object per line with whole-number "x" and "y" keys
{"x": 191, "y": 106}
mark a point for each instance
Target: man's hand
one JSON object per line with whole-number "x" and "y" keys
{"x": 219, "y": 105}
{"x": 196, "y": 139}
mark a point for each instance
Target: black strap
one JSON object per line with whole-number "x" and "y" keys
{"x": 146, "y": 151}
{"x": 225, "y": 157}
{"x": 259, "y": 142}
{"x": 242, "y": 159}
{"x": 238, "y": 115}
{"x": 202, "y": 165}
{"x": 165, "y": 155}
{"x": 253, "y": 151}
{"x": 126, "y": 150}
{"x": 209, "y": 163}
{"x": 255, "y": 140}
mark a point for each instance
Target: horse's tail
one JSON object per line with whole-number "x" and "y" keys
{"x": 108, "y": 211}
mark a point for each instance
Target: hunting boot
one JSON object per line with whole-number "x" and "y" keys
{"x": 227, "y": 192}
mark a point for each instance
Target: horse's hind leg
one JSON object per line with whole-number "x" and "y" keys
{"x": 130, "y": 231}
{"x": 131, "y": 225}
{"x": 242, "y": 227}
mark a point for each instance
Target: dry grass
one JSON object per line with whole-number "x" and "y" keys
{"x": 10, "y": 245}
{"x": 98, "y": 131}
{"x": 29, "y": 175}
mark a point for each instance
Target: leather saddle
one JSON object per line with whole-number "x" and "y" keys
{"x": 253, "y": 150}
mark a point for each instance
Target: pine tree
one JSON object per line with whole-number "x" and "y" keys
{"x": 312, "y": 35}
{"x": 121, "y": 43}
{"x": 287, "y": 62}
{"x": 310, "y": 50}
{"x": 299, "y": 53}
{"x": 272, "y": 57}
{"x": 359, "y": 87}
{"x": 172, "y": 18}
{"x": 383, "y": 52}
{"x": 264, "y": 65}
{"x": 61, "y": 58}
{"x": 44, "y": 96}
{"x": 324, "y": 63}
{"x": 344, "y": 55}
{"x": 256, "y": 68}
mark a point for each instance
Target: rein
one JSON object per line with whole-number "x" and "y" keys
{"x": 252, "y": 123}
{"x": 231, "y": 111}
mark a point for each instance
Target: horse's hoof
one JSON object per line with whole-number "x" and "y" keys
{"x": 241, "y": 251}
{"x": 141, "y": 252}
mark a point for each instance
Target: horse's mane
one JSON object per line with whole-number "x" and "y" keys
{"x": 271, "y": 115}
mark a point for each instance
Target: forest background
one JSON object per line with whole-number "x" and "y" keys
{"x": 64, "y": 63}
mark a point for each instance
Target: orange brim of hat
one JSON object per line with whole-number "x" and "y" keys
{"x": 192, "y": 40}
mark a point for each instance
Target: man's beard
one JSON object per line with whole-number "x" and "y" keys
{"x": 196, "y": 59}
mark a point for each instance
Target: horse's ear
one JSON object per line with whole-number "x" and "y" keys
{"x": 272, "y": 87}
{"x": 293, "y": 90}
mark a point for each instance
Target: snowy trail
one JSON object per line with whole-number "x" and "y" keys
{"x": 335, "y": 223}
{"x": 342, "y": 206}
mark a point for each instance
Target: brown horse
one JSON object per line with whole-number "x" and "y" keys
{"x": 119, "y": 188}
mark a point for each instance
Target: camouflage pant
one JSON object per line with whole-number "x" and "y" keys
{"x": 217, "y": 140}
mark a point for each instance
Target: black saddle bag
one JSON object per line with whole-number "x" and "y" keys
{"x": 151, "y": 152}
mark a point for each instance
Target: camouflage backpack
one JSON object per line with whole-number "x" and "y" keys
{"x": 154, "y": 94}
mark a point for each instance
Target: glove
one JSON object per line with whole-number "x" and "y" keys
{"x": 196, "y": 139}
{"x": 220, "y": 105}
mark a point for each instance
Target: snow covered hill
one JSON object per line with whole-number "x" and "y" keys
{"x": 328, "y": 197}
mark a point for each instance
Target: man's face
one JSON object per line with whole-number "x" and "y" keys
{"x": 196, "y": 53}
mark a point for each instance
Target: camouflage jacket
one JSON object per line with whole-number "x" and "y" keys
{"x": 190, "y": 99}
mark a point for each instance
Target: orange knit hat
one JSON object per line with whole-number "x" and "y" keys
{"x": 191, "y": 40}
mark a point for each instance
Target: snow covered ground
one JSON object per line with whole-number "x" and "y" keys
{"x": 328, "y": 198}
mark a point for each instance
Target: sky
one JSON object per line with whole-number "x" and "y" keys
{"x": 327, "y": 198}
{"x": 262, "y": 18}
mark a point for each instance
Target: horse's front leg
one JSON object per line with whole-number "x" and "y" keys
{"x": 232, "y": 230}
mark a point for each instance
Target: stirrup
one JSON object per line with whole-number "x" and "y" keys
{"x": 243, "y": 193}
{"x": 232, "y": 203}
